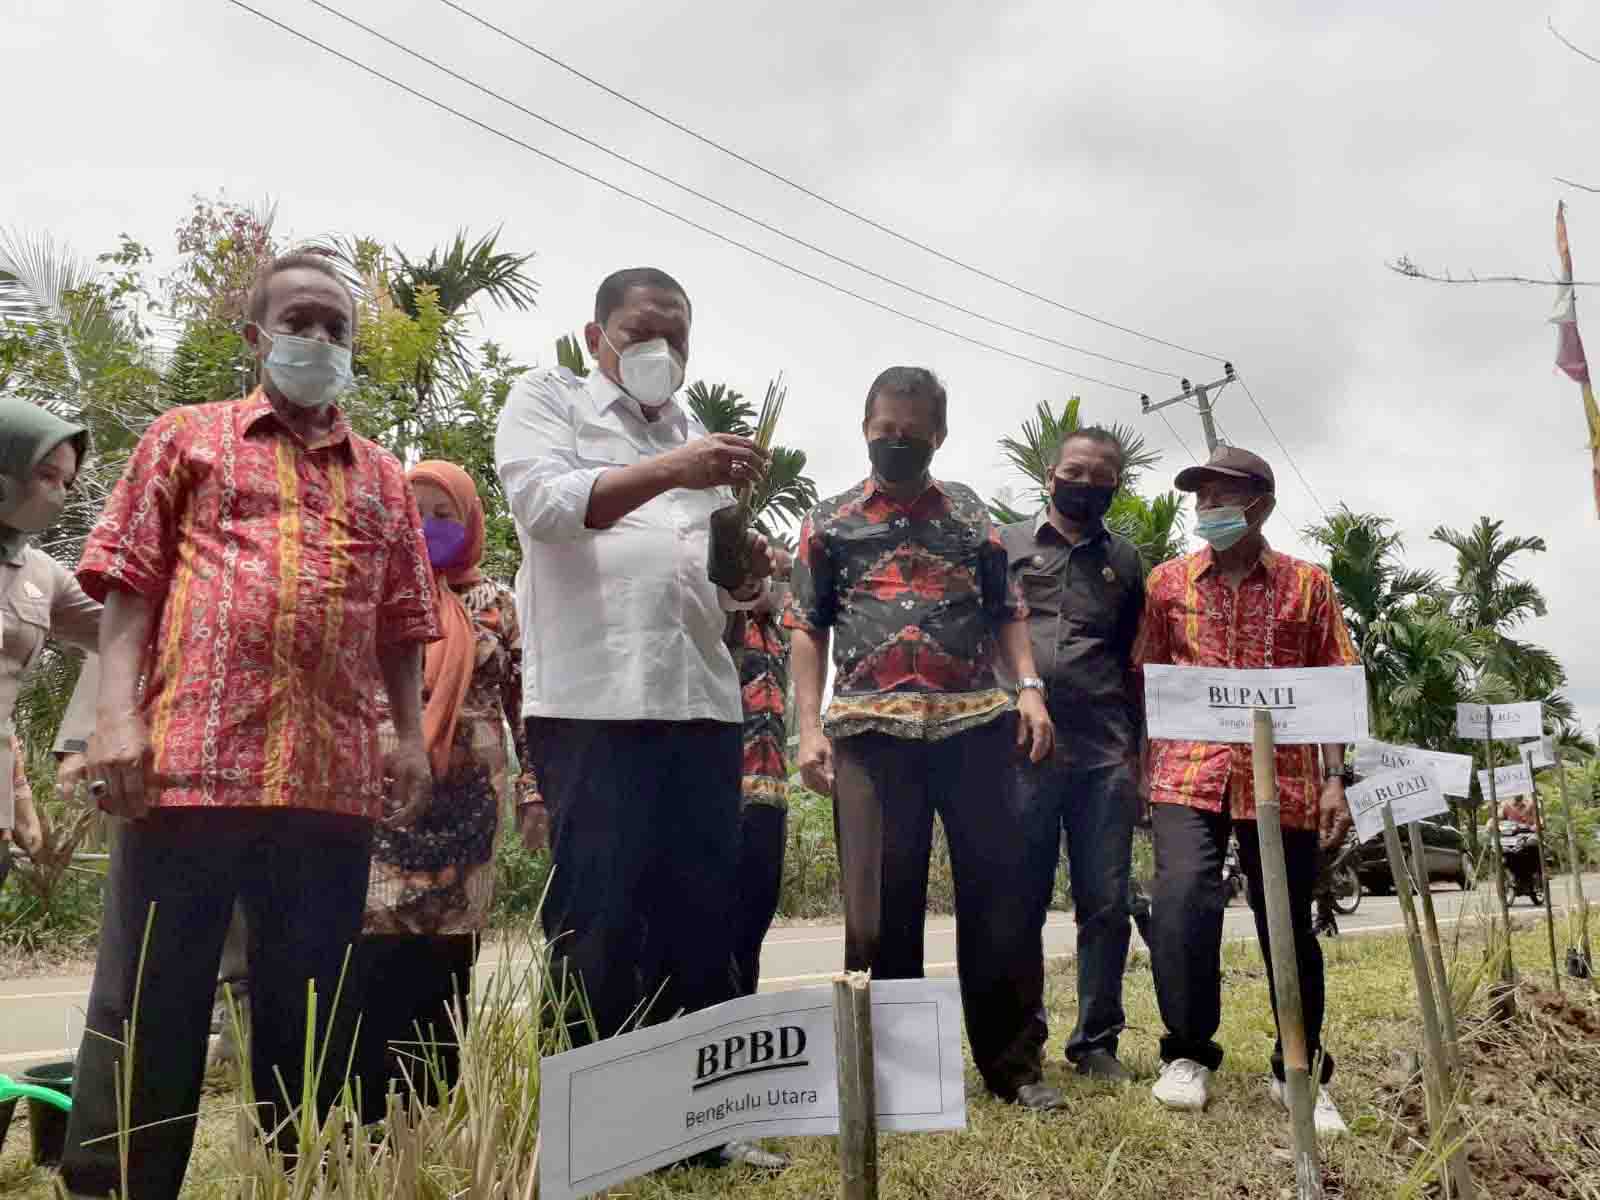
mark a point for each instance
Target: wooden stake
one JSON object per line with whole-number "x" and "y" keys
{"x": 1285, "y": 972}
{"x": 1544, "y": 882}
{"x": 858, "y": 1101}
{"x": 1437, "y": 1074}
{"x": 1575, "y": 879}
{"x": 1447, "y": 1006}
{"x": 1505, "y": 994}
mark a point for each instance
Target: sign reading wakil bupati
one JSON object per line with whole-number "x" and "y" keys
{"x": 1216, "y": 704}
{"x": 1514, "y": 780}
{"x": 1512, "y": 722}
{"x": 759, "y": 1066}
{"x": 1453, "y": 771}
{"x": 1411, "y": 794}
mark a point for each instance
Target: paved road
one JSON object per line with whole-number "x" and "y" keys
{"x": 41, "y": 1016}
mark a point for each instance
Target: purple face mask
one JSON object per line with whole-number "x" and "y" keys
{"x": 447, "y": 542}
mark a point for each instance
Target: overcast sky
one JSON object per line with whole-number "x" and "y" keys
{"x": 1230, "y": 177}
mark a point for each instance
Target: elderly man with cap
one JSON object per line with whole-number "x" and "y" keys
{"x": 1236, "y": 603}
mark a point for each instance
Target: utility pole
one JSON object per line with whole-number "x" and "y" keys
{"x": 1200, "y": 393}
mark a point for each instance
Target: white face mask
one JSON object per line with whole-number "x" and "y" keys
{"x": 651, "y": 372}
{"x": 307, "y": 373}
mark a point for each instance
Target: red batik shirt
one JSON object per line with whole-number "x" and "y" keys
{"x": 915, "y": 595}
{"x": 1284, "y": 614}
{"x": 277, "y": 570}
{"x": 762, "y": 657}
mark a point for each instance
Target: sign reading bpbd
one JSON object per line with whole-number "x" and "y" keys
{"x": 758, "y": 1051}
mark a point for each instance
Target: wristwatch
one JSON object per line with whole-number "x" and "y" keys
{"x": 1345, "y": 775}
{"x": 1031, "y": 683}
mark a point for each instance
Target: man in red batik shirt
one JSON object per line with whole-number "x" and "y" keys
{"x": 1237, "y": 603}
{"x": 264, "y": 574}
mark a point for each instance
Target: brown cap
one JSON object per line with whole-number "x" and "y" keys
{"x": 1231, "y": 462}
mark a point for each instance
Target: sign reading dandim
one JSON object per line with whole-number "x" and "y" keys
{"x": 1411, "y": 794}
{"x": 1215, "y": 704}
{"x": 756, "y": 1067}
{"x": 1512, "y": 722}
{"x": 1453, "y": 771}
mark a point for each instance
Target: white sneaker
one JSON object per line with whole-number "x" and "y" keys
{"x": 1184, "y": 1085}
{"x": 1325, "y": 1116}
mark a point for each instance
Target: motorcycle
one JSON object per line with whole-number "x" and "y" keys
{"x": 1520, "y": 849}
{"x": 1233, "y": 880}
{"x": 1341, "y": 877}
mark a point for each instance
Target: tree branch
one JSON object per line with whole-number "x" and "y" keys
{"x": 1404, "y": 266}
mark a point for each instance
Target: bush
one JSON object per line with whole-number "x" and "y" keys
{"x": 520, "y": 876}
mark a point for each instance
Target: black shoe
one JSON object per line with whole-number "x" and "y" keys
{"x": 1040, "y": 1097}
{"x": 1102, "y": 1065}
{"x": 744, "y": 1153}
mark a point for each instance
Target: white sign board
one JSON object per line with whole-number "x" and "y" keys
{"x": 1216, "y": 704}
{"x": 1540, "y": 754}
{"x": 1512, "y": 722}
{"x": 1412, "y": 794}
{"x": 1515, "y": 780}
{"x": 1453, "y": 771}
{"x": 760, "y": 1066}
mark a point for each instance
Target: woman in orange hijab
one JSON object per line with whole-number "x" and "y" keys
{"x": 432, "y": 885}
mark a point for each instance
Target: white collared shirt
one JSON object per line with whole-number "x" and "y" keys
{"x": 619, "y": 624}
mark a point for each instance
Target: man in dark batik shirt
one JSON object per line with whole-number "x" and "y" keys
{"x": 908, "y": 577}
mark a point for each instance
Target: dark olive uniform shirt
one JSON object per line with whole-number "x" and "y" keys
{"x": 1084, "y": 604}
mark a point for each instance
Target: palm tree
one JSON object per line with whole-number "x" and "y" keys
{"x": 1154, "y": 525}
{"x": 1374, "y": 587}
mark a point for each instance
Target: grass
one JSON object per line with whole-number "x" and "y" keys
{"x": 1532, "y": 1108}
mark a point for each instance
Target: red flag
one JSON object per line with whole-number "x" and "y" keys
{"x": 1569, "y": 347}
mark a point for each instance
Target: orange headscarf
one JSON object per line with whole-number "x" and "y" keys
{"x": 447, "y": 670}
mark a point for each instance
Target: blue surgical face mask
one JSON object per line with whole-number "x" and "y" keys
{"x": 306, "y": 372}
{"x": 1222, "y": 527}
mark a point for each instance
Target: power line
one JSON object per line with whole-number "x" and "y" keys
{"x": 730, "y": 209}
{"x": 1305, "y": 483}
{"x": 817, "y": 196}
{"x": 679, "y": 217}
{"x": 1173, "y": 430}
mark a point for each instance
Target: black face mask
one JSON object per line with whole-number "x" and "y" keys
{"x": 899, "y": 460}
{"x": 1081, "y": 502}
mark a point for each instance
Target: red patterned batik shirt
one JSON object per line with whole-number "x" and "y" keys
{"x": 914, "y": 594}
{"x": 277, "y": 571}
{"x": 1284, "y": 614}
{"x": 762, "y": 657}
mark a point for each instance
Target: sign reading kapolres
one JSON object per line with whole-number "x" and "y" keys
{"x": 1216, "y": 704}
{"x": 1512, "y": 722}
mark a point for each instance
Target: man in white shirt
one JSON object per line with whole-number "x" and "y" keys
{"x": 631, "y": 698}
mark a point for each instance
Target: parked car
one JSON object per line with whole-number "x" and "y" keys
{"x": 1443, "y": 847}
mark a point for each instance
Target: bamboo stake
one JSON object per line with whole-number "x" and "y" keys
{"x": 858, "y": 1105}
{"x": 1505, "y": 996}
{"x": 1437, "y": 1075}
{"x": 1285, "y": 972}
{"x": 1447, "y": 1004}
{"x": 1579, "y": 904}
{"x": 1544, "y": 882}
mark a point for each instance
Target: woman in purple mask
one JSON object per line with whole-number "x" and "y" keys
{"x": 432, "y": 884}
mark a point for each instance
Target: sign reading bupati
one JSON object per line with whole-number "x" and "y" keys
{"x": 1453, "y": 771}
{"x": 755, "y": 1067}
{"x": 1411, "y": 794}
{"x": 1512, "y": 722}
{"x": 1216, "y": 704}
{"x": 1515, "y": 780}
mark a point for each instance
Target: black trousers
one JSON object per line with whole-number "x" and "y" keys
{"x": 302, "y": 877}
{"x": 415, "y": 990}
{"x": 762, "y": 830}
{"x": 1187, "y": 904}
{"x": 1094, "y": 808}
{"x": 886, "y": 792}
{"x": 645, "y": 830}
